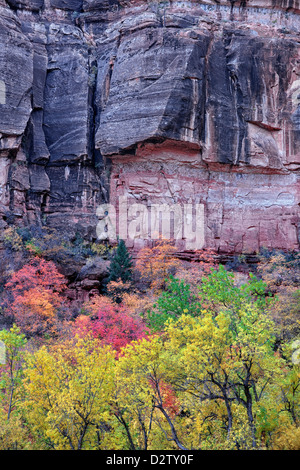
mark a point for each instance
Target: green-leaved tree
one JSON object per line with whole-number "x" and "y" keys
{"x": 121, "y": 265}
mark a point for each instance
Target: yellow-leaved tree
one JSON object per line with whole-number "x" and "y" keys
{"x": 66, "y": 394}
{"x": 229, "y": 375}
{"x": 145, "y": 403}
{"x": 14, "y": 434}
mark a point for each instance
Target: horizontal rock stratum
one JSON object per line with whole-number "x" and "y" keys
{"x": 158, "y": 102}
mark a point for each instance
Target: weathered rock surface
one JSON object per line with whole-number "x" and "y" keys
{"x": 159, "y": 102}
{"x": 33, "y": 5}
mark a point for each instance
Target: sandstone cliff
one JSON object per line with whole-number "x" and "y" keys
{"x": 158, "y": 101}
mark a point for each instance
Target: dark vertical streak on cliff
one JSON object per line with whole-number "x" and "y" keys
{"x": 240, "y": 141}
{"x": 93, "y": 71}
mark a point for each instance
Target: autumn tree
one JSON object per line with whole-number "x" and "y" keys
{"x": 14, "y": 434}
{"x": 117, "y": 290}
{"x": 156, "y": 264}
{"x": 67, "y": 392}
{"x": 279, "y": 269}
{"x": 110, "y": 323}
{"x": 281, "y": 273}
{"x": 144, "y": 400}
{"x": 38, "y": 273}
{"x": 33, "y": 296}
{"x": 290, "y": 387}
{"x": 229, "y": 362}
{"x": 201, "y": 264}
{"x": 11, "y": 371}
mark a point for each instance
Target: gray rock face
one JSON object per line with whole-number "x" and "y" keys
{"x": 33, "y": 5}
{"x": 16, "y": 66}
{"x": 66, "y": 112}
{"x": 73, "y": 5}
{"x": 248, "y": 86}
{"x": 169, "y": 76}
{"x": 213, "y": 90}
{"x": 100, "y": 98}
{"x": 89, "y": 5}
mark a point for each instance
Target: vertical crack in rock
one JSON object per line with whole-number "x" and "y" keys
{"x": 101, "y": 168}
{"x": 240, "y": 141}
{"x": 93, "y": 71}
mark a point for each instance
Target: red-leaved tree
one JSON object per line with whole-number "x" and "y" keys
{"x": 111, "y": 323}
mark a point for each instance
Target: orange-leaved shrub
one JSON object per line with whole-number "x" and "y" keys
{"x": 33, "y": 296}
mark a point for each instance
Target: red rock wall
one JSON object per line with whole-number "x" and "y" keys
{"x": 244, "y": 210}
